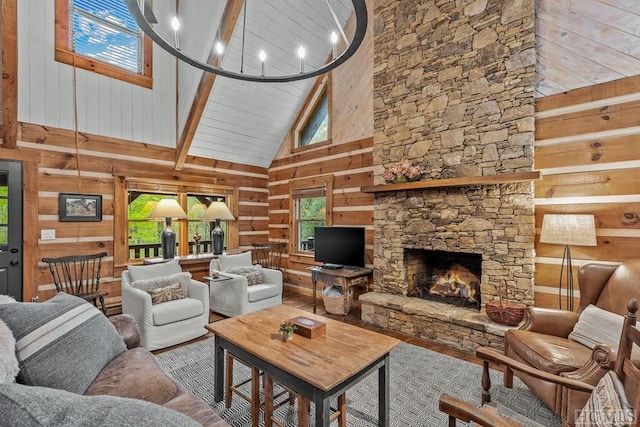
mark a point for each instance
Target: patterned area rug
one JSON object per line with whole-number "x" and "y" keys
{"x": 418, "y": 378}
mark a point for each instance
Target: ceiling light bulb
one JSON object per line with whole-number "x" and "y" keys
{"x": 301, "y": 52}
{"x": 334, "y": 37}
{"x": 175, "y": 23}
{"x": 262, "y": 55}
{"x": 219, "y": 48}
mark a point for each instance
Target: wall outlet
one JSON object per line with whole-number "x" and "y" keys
{"x": 47, "y": 234}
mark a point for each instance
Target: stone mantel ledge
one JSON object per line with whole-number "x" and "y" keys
{"x": 467, "y": 317}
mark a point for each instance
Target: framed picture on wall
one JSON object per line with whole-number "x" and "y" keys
{"x": 80, "y": 207}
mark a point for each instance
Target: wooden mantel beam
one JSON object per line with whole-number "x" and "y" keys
{"x": 229, "y": 19}
{"x": 10, "y": 73}
{"x": 502, "y": 178}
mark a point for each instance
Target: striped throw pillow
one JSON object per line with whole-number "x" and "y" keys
{"x": 62, "y": 343}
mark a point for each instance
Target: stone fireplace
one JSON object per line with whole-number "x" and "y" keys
{"x": 453, "y": 93}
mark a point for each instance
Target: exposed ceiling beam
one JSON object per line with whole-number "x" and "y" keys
{"x": 229, "y": 18}
{"x": 9, "y": 73}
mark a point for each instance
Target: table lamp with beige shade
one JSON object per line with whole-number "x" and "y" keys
{"x": 168, "y": 209}
{"x": 567, "y": 230}
{"x": 218, "y": 211}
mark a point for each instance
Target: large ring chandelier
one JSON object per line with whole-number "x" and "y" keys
{"x": 145, "y": 18}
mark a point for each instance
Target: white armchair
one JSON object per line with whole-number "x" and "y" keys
{"x": 235, "y": 296}
{"x": 168, "y": 323}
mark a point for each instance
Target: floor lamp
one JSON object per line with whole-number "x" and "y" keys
{"x": 218, "y": 211}
{"x": 167, "y": 209}
{"x": 567, "y": 230}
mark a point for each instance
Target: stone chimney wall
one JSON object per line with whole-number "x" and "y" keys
{"x": 453, "y": 92}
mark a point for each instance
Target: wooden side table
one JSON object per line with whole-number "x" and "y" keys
{"x": 343, "y": 277}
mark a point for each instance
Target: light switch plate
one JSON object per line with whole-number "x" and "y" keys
{"x": 47, "y": 234}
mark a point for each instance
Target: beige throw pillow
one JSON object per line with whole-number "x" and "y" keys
{"x": 166, "y": 294}
{"x": 253, "y": 273}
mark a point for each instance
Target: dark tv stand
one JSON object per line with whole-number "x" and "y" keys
{"x": 330, "y": 266}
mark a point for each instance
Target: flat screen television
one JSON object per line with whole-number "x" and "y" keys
{"x": 336, "y": 247}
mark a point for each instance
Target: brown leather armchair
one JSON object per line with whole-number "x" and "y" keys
{"x": 626, "y": 371}
{"x": 542, "y": 341}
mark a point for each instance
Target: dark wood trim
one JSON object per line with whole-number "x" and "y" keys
{"x": 10, "y": 73}
{"x": 229, "y": 18}
{"x": 503, "y": 178}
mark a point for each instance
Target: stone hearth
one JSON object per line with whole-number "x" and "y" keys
{"x": 458, "y": 327}
{"x": 453, "y": 93}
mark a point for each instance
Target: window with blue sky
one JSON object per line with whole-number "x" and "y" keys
{"x": 104, "y": 30}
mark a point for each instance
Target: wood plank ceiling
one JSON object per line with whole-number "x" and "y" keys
{"x": 246, "y": 122}
{"x": 579, "y": 43}
{"x": 582, "y": 43}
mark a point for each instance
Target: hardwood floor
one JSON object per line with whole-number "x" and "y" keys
{"x": 305, "y": 302}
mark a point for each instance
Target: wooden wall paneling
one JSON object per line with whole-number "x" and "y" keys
{"x": 354, "y": 218}
{"x": 253, "y": 225}
{"x": 50, "y": 181}
{"x": 312, "y": 155}
{"x": 610, "y": 248}
{"x": 252, "y": 210}
{"x": 279, "y": 234}
{"x": 551, "y": 300}
{"x": 619, "y": 216}
{"x": 254, "y": 195}
{"x": 584, "y": 95}
{"x": 58, "y": 137}
{"x": 279, "y": 218}
{"x": 353, "y": 180}
{"x": 588, "y": 150}
{"x": 590, "y": 184}
{"x": 102, "y": 165}
{"x": 278, "y": 204}
{"x": 31, "y": 231}
{"x": 44, "y": 98}
{"x": 9, "y": 21}
{"x": 332, "y": 165}
{"x": 599, "y": 151}
{"x": 352, "y": 106}
{"x": 592, "y": 120}
{"x": 73, "y": 248}
{"x": 352, "y": 199}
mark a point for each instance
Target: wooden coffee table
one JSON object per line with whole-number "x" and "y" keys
{"x": 317, "y": 368}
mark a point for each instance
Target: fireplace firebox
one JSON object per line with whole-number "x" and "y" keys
{"x": 449, "y": 277}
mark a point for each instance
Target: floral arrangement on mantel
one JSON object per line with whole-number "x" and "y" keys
{"x": 402, "y": 171}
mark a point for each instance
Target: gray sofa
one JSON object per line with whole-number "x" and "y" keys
{"x": 87, "y": 370}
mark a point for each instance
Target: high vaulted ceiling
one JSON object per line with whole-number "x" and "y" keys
{"x": 582, "y": 43}
{"x": 579, "y": 43}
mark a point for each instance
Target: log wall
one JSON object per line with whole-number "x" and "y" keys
{"x": 349, "y": 159}
{"x": 91, "y": 169}
{"x": 588, "y": 150}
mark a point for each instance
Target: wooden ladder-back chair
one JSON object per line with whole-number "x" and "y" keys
{"x": 269, "y": 255}
{"x": 625, "y": 370}
{"x": 79, "y": 275}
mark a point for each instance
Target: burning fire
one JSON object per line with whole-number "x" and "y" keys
{"x": 452, "y": 285}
